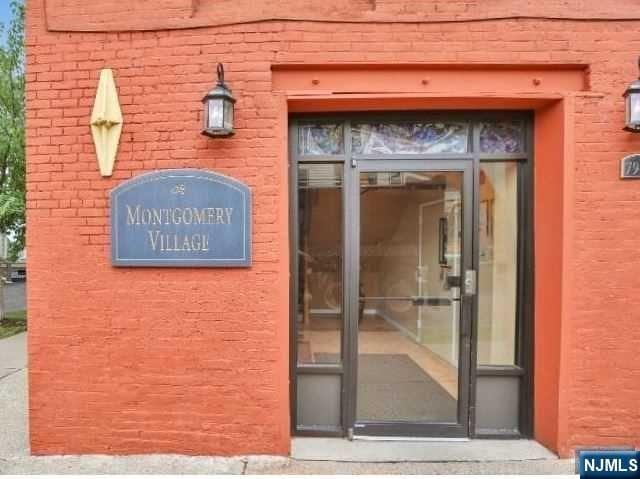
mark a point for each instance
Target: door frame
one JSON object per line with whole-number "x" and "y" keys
{"x": 524, "y": 368}
{"x": 352, "y": 275}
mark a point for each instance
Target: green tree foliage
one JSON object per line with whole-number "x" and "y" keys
{"x": 12, "y": 121}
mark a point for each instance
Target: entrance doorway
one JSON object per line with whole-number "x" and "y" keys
{"x": 390, "y": 220}
{"x": 413, "y": 328}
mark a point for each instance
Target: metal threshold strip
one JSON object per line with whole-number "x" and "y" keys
{"x": 410, "y": 439}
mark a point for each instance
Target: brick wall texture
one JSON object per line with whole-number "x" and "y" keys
{"x": 195, "y": 361}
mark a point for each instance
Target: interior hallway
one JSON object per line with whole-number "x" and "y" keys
{"x": 376, "y": 336}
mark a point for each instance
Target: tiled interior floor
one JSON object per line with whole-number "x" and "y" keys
{"x": 376, "y": 336}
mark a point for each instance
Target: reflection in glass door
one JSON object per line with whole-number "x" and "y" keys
{"x": 411, "y": 263}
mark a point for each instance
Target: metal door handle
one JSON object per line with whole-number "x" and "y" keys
{"x": 430, "y": 301}
{"x": 416, "y": 300}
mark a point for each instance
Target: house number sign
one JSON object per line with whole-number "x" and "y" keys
{"x": 630, "y": 167}
{"x": 181, "y": 218}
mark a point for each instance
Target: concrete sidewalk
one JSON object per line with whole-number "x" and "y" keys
{"x": 13, "y": 397}
{"x": 309, "y": 455}
{"x": 13, "y": 354}
{"x": 175, "y": 464}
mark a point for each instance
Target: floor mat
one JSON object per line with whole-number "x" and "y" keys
{"x": 392, "y": 387}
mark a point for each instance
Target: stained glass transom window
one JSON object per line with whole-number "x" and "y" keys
{"x": 321, "y": 139}
{"x": 399, "y": 138}
{"x": 502, "y": 137}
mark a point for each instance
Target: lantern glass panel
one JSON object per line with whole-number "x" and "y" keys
{"x": 633, "y": 110}
{"x": 215, "y": 112}
{"x": 205, "y": 115}
{"x": 228, "y": 115}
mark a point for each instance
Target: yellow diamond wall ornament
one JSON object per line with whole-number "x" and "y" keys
{"x": 106, "y": 122}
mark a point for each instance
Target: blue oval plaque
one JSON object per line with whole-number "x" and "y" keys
{"x": 181, "y": 218}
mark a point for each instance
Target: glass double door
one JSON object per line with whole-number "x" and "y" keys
{"x": 408, "y": 296}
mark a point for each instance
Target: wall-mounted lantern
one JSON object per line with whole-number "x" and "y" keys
{"x": 218, "y": 109}
{"x": 632, "y": 106}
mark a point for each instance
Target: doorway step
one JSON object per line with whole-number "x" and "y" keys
{"x": 418, "y": 450}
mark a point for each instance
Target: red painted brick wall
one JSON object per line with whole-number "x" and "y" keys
{"x": 195, "y": 361}
{"x": 105, "y": 15}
